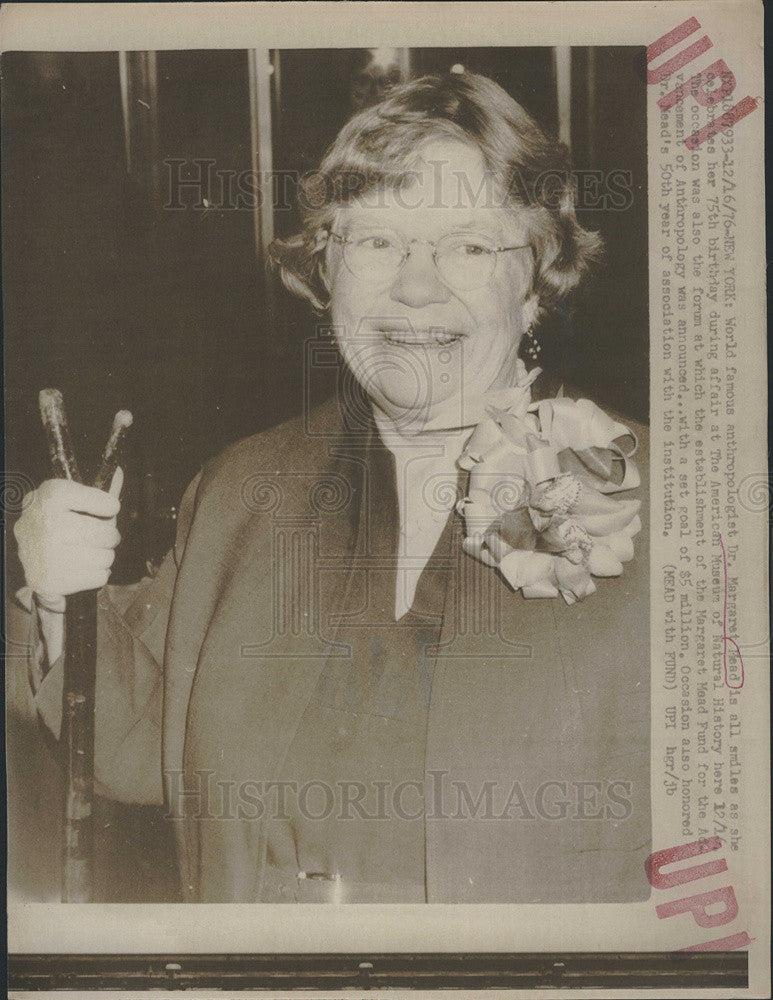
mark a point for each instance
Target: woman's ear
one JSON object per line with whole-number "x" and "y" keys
{"x": 321, "y": 239}
{"x": 530, "y": 310}
{"x": 321, "y": 244}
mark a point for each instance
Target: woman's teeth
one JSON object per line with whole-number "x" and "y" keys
{"x": 427, "y": 340}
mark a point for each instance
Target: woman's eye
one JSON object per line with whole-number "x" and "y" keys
{"x": 472, "y": 249}
{"x": 375, "y": 243}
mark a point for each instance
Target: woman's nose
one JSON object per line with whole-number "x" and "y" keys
{"x": 418, "y": 282}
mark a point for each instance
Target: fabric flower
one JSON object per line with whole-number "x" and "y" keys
{"x": 539, "y": 505}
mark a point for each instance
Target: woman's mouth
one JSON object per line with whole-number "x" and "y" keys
{"x": 422, "y": 338}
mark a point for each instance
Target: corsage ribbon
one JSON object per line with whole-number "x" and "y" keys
{"x": 539, "y": 506}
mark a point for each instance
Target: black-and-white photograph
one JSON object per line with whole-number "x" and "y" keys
{"x": 327, "y": 475}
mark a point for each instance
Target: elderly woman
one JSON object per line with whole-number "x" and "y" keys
{"x": 376, "y": 666}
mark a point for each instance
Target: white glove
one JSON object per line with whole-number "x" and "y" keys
{"x": 67, "y": 537}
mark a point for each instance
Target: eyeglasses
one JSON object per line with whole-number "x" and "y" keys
{"x": 464, "y": 260}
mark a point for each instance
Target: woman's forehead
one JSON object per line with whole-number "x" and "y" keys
{"x": 447, "y": 185}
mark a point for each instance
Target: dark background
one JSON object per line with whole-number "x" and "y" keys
{"x": 120, "y": 302}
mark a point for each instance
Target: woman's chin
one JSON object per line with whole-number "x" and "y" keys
{"x": 413, "y": 411}
{"x": 414, "y": 391}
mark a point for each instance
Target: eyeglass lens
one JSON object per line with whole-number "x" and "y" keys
{"x": 464, "y": 261}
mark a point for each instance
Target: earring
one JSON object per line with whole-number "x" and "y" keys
{"x": 532, "y": 348}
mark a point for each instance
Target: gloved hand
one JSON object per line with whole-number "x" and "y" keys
{"x": 67, "y": 538}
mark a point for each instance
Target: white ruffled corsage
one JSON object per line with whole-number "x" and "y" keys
{"x": 539, "y": 504}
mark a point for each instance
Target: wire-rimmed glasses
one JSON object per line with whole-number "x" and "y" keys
{"x": 464, "y": 260}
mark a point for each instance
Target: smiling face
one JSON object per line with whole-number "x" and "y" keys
{"x": 422, "y": 346}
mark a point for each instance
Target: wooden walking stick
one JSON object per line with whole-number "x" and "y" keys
{"x": 80, "y": 661}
